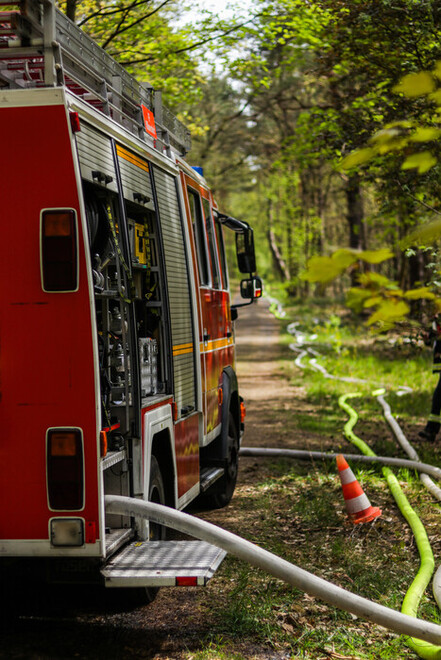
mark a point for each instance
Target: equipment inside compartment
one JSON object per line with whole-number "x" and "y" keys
{"x": 129, "y": 305}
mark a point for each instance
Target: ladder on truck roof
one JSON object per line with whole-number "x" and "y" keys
{"x": 41, "y": 47}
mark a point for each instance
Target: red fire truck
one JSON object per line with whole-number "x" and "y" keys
{"x": 116, "y": 332}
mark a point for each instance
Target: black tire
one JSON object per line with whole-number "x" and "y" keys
{"x": 156, "y": 532}
{"x": 157, "y": 495}
{"x": 222, "y": 491}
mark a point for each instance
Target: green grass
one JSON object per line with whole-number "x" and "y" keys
{"x": 297, "y": 509}
{"x": 301, "y": 518}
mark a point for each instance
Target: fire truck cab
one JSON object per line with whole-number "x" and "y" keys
{"x": 117, "y": 370}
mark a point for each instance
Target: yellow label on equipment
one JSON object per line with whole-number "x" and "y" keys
{"x": 140, "y": 251}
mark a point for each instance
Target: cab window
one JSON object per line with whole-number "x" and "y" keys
{"x": 221, "y": 245}
{"x": 199, "y": 236}
{"x": 211, "y": 243}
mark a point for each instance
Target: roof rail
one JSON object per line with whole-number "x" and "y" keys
{"x": 41, "y": 47}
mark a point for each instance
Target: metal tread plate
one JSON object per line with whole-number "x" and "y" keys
{"x": 112, "y": 458}
{"x": 163, "y": 564}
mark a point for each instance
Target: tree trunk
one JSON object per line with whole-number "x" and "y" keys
{"x": 355, "y": 213}
{"x": 279, "y": 263}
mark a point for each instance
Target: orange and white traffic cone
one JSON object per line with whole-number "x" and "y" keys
{"x": 358, "y": 507}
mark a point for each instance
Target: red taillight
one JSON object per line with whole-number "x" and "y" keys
{"x": 59, "y": 258}
{"x": 186, "y": 581}
{"x": 65, "y": 469}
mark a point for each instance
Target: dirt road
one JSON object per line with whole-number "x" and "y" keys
{"x": 179, "y": 620}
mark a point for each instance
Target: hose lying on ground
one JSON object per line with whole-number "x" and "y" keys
{"x": 417, "y": 588}
{"x": 419, "y": 584}
{"x": 276, "y": 566}
{"x": 405, "y": 444}
{"x": 303, "y": 454}
{"x": 303, "y": 351}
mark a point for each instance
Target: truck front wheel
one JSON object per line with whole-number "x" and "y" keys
{"x": 224, "y": 488}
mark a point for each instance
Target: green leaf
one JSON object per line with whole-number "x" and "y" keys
{"x": 375, "y": 279}
{"x": 375, "y": 256}
{"x": 389, "y": 311}
{"x": 356, "y": 297}
{"x": 418, "y": 294}
{"x": 322, "y": 270}
{"x": 416, "y": 84}
{"x": 358, "y": 157}
{"x": 422, "y": 161}
{"x": 437, "y": 71}
{"x": 371, "y": 302}
{"x": 425, "y": 235}
{"x": 402, "y": 123}
{"x": 423, "y": 134}
{"x": 385, "y": 135}
{"x": 345, "y": 257}
{"x": 436, "y": 96}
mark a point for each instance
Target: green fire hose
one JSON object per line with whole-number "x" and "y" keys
{"x": 427, "y": 562}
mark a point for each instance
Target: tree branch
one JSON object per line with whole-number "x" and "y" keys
{"x": 119, "y": 31}
{"x": 105, "y": 14}
{"x": 198, "y": 44}
{"x": 418, "y": 201}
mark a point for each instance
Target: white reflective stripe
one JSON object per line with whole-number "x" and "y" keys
{"x": 347, "y": 476}
{"x": 357, "y": 504}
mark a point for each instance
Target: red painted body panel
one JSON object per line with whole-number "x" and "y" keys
{"x": 187, "y": 453}
{"x": 46, "y": 349}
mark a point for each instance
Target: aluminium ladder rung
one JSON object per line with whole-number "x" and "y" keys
{"x": 75, "y": 54}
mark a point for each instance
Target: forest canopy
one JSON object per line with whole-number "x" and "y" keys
{"x": 319, "y": 123}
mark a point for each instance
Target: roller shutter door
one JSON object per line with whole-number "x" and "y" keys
{"x": 178, "y": 290}
{"x": 96, "y": 157}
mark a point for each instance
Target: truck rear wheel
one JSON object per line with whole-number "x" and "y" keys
{"x": 157, "y": 532}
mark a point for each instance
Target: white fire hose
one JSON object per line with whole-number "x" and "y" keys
{"x": 276, "y": 566}
{"x": 303, "y": 454}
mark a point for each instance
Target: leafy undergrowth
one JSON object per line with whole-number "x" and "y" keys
{"x": 296, "y": 510}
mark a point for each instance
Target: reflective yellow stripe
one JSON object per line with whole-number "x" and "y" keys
{"x": 131, "y": 158}
{"x": 216, "y": 344}
{"x": 182, "y": 349}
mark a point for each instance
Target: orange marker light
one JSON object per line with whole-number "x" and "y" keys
{"x": 103, "y": 443}
{"x": 63, "y": 444}
{"x": 58, "y": 224}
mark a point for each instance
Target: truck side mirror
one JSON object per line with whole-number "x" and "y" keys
{"x": 246, "y": 258}
{"x": 251, "y": 288}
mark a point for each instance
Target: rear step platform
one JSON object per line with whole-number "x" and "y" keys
{"x": 163, "y": 564}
